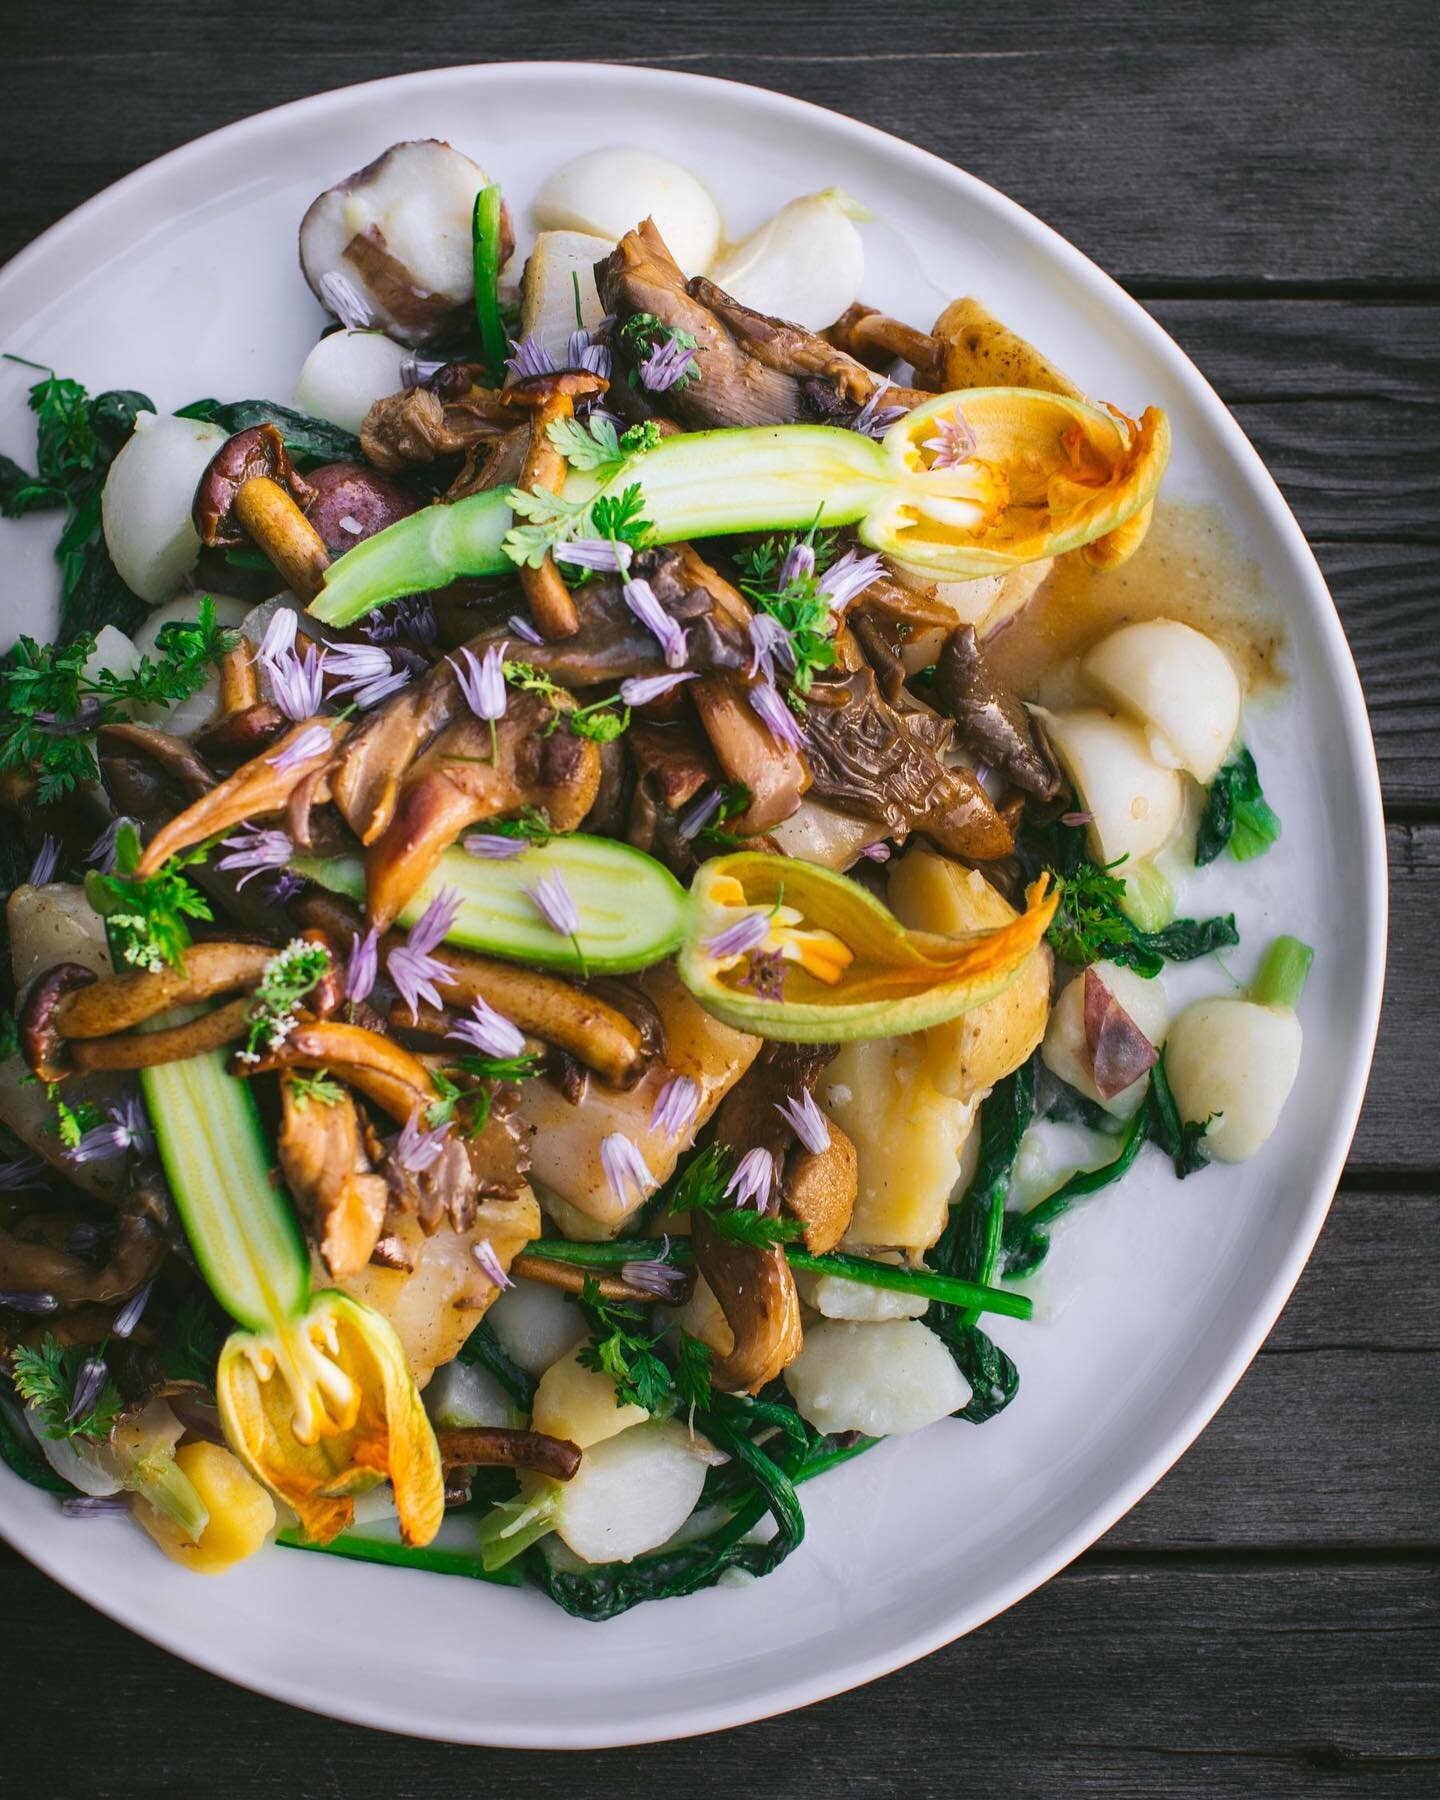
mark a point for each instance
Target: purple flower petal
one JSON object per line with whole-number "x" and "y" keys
{"x": 753, "y": 1179}
{"x": 640, "y": 598}
{"x": 17, "y": 1300}
{"x": 484, "y": 1254}
{"x": 661, "y": 1280}
{"x": 344, "y": 299}
{"x": 101, "y": 854}
{"x": 416, "y": 1149}
{"x": 700, "y": 814}
{"x": 93, "y": 1506}
{"x": 524, "y": 630}
{"x": 317, "y": 741}
{"x": 848, "y": 578}
{"x": 770, "y": 648}
{"x": 253, "y": 849}
{"x": 607, "y": 554}
{"x": 433, "y": 925}
{"x": 625, "y": 1168}
{"x": 876, "y": 853}
{"x": 411, "y": 617}
{"x": 493, "y": 846}
{"x": 775, "y": 715}
{"x": 666, "y": 364}
{"x": 482, "y": 682}
{"x": 1077, "y": 818}
{"x": 489, "y": 1031}
{"x": 47, "y": 858}
{"x": 21, "y": 1172}
{"x": 367, "y": 672}
{"x": 363, "y": 964}
{"x": 126, "y": 1128}
{"x": 92, "y": 1377}
{"x": 799, "y": 564}
{"x": 806, "y": 1120}
{"x": 552, "y": 900}
{"x": 279, "y": 638}
{"x": 675, "y": 1107}
{"x": 640, "y": 690}
{"x": 128, "y": 1316}
{"x": 741, "y": 938}
{"x": 530, "y": 358}
{"x": 411, "y": 966}
{"x": 954, "y": 442}
{"x": 298, "y": 682}
{"x": 874, "y": 420}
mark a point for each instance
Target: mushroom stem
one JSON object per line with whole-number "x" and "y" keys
{"x": 148, "y": 1049}
{"x": 495, "y": 1445}
{"x": 239, "y": 682}
{"x": 548, "y": 399}
{"x": 570, "y": 1278}
{"x": 271, "y": 518}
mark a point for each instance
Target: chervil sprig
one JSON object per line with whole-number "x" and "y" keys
{"x": 70, "y": 1390}
{"x": 620, "y": 1349}
{"x": 289, "y": 976}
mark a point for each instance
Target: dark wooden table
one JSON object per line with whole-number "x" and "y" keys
{"x": 1264, "y": 177}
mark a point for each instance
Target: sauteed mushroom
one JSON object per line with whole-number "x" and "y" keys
{"x": 251, "y": 492}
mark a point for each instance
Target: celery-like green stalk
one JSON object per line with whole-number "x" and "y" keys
{"x": 1283, "y": 974}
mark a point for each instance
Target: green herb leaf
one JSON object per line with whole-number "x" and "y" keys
{"x": 317, "y": 1087}
{"x": 700, "y": 1188}
{"x": 146, "y": 916}
{"x": 586, "y": 444}
{"x": 45, "y": 1379}
{"x": 288, "y": 977}
{"x": 620, "y": 517}
{"x": 620, "y": 1349}
{"x": 1236, "y": 814}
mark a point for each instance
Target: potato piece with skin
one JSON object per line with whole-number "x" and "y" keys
{"x": 581, "y": 1404}
{"x": 145, "y": 503}
{"x": 1175, "y": 682}
{"x": 345, "y": 374}
{"x": 1064, "y": 1049}
{"x": 54, "y": 924}
{"x": 536, "y": 1325}
{"x": 608, "y": 192}
{"x": 908, "y": 1139}
{"x": 1135, "y": 804}
{"x": 242, "y": 1514}
{"x": 1233, "y": 1062}
{"x": 884, "y": 1379}
{"x": 968, "y": 1055}
{"x": 981, "y": 352}
{"x": 630, "y": 1494}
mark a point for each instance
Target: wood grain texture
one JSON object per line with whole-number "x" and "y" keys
{"x": 1264, "y": 176}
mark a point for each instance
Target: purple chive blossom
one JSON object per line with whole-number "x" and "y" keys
{"x": 530, "y": 358}
{"x": 17, "y": 1300}
{"x": 625, "y": 1168}
{"x": 344, "y": 299}
{"x": 88, "y": 1383}
{"x": 482, "y": 682}
{"x": 411, "y": 966}
{"x": 484, "y": 1254}
{"x": 770, "y": 648}
{"x": 101, "y": 854}
{"x": 126, "y": 1129}
{"x": 774, "y": 714}
{"x": 416, "y": 371}
{"x": 281, "y": 886}
{"x": 367, "y": 672}
{"x": 21, "y": 1172}
{"x": 128, "y": 1316}
{"x": 874, "y": 420}
{"x": 583, "y": 352}
{"x": 489, "y": 1031}
{"x": 1077, "y": 818}
{"x": 607, "y": 554}
{"x": 640, "y": 690}
{"x": 493, "y": 847}
{"x": 412, "y": 617}
{"x": 416, "y": 1149}
{"x": 93, "y": 1506}
{"x": 310, "y": 744}
{"x": 676, "y": 1106}
{"x": 362, "y": 965}
{"x": 877, "y": 853}
{"x": 666, "y": 364}
{"x": 848, "y": 578}
{"x": 700, "y": 814}
{"x": 806, "y": 1120}
{"x": 552, "y": 900}
{"x": 298, "y": 681}
{"x": 279, "y": 638}
{"x": 753, "y": 1178}
{"x": 85, "y": 718}
{"x": 661, "y": 1280}
{"x": 954, "y": 443}
{"x": 46, "y": 859}
{"x": 766, "y": 979}
{"x": 640, "y": 598}
{"x": 524, "y": 630}
{"x": 799, "y": 564}
{"x": 254, "y": 848}
{"x": 741, "y": 938}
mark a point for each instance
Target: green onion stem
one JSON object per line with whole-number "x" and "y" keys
{"x": 485, "y": 240}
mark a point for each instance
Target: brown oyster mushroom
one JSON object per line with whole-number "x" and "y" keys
{"x": 468, "y": 775}
{"x": 991, "y": 718}
{"x": 756, "y": 1292}
{"x": 377, "y": 1067}
{"x": 251, "y": 493}
{"x": 121, "y": 1002}
{"x": 876, "y": 339}
{"x": 413, "y": 429}
{"x": 776, "y": 774}
{"x": 42, "y": 1043}
{"x": 495, "y": 1446}
{"x": 549, "y": 399}
{"x": 174, "y": 757}
{"x": 819, "y": 1187}
{"x": 244, "y": 724}
{"x": 177, "y": 1043}
{"x": 30, "y": 1264}
{"x": 322, "y": 1157}
{"x": 257, "y": 789}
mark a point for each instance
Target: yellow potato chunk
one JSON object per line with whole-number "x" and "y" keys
{"x": 966, "y": 1056}
{"x": 242, "y": 1514}
{"x": 580, "y": 1404}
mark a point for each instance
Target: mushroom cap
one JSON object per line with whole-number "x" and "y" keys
{"x": 258, "y": 453}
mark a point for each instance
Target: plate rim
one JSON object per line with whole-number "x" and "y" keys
{"x": 857, "y": 1669}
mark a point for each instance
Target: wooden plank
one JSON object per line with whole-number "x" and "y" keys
{"x": 1203, "y": 1676}
{"x": 1255, "y": 350}
{"x": 1167, "y": 149}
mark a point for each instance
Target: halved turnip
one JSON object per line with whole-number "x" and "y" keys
{"x": 1134, "y": 803}
{"x": 806, "y": 264}
{"x": 559, "y": 261}
{"x": 1178, "y": 683}
{"x": 345, "y": 374}
{"x": 632, "y": 1493}
{"x": 145, "y": 503}
{"x": 536, "y": 1325}
{"x": 883, "y": 1379}
{"x": 609, "y": 192}
{"x": 462, "y": 1395}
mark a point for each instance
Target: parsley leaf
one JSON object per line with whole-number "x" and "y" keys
{"x": 145, "y": 915}
{"x": 72, "y": 1122}
{"x": 620, "y": 517}
{"x": 45, "y": 1379}
{"x": 318, "y": 1087}
{"x": 620, "y": 1349}
{"x": 288, "y": 977}
{"x": 586, "y": 444}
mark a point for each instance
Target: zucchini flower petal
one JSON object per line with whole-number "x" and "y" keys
{"x": 834, "y": 962}
{"x": 324, "y": 1408}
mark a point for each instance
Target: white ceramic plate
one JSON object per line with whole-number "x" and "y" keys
{"x": 182, "y": 280}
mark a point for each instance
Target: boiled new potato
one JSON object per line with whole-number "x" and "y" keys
{"x": 836, "y": 1298}
{"x": 345, "y": 374}
{"x": 580, "y": 1404}
{"x": 145, "y": 503}
{"x": 609, "y": 192}
{"x": 1233, "y": 1062}
{"x": 1176, "y": 683}
{"x": 536, "y": 1325}
{"x": 242, "y": 1514}
{"x": 630, "y": 1493}
{"x": 964, "y": 1056}
{"x": 884, "y": 1379}
{"x": 1064, "y": 1050}
{"x": 1135, "y": 802}
{"x": 908, "y": 1136}
{"x": 805, "y": 264}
